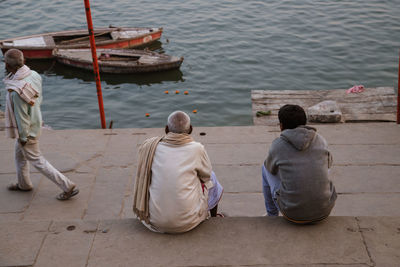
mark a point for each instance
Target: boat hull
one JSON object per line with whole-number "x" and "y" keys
{"x": 167, "y": 63}
{"x": 46, "y": 51}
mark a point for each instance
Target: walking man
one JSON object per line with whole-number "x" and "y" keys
{"x": 175, "y": 187}
{"x": 23, "y": 123}
{"x": 295, "y": 173}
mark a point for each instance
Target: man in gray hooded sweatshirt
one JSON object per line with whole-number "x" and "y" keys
{"x": 295, "y": 173}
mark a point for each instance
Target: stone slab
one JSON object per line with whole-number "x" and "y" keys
{"x": 45, "y": 206}
{"x": 239, "y": 178}
{"x": 366, "y": 179}
{"x": 6, "y": 144}
{"x": 75, "y": 140}
{"x": 231, "y": 242}
{"x": 67, "y": 244}
{"x": 302, "y": 265}
{"x": 365, "y": 154}
{"x": 382, "y": 237}
{"x": 122, "y": 159}
{"x": 361, "y": 133}
{"x": 21, "y": 242}
{"x": 123, "y": 141}
{"x": 127, "y": 211}
{"x": 147, "y": 132}
{"x": 10, "y": 217}
{"x": 7, "y": 162}
{"x": 15, "y": 201}
{"x": 107, "y": 198}
{"x": 220, "y": 135}
{"x": 242, "y": 204}
{"x": 64, "y": 162}
{"x": 369, "y": 204}
{"x": 235, "y": 135}
{"x": 89, "y": 134}
{"x": 326, "y": 112}
{"x": 237, "y": 154}
{"x": 88, "y": 159}
{"x": 61, "y": 161}
{"x": 52, "y": 137}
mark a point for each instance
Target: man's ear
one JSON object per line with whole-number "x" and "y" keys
{"x": 281, "y": 125}
{"x": 190, "y": 129}
{"x": 166, "y": 129}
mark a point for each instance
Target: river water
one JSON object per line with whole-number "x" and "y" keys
{"x": 230, "y": 48}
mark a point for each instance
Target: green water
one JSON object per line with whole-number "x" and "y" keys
{"x": 230, "y": 48}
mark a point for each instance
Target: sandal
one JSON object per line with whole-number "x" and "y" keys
{"x": 15, "y": 187}
{"x": 221, "y": 215}
{"x": 67, "y": 195}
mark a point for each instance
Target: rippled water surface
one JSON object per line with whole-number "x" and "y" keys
{"x": 230, "y": 48}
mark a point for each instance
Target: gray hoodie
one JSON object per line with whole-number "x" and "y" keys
{"x": 301, "y": 159}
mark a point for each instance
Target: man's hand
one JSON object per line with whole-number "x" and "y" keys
{"x": 23, "y": 143}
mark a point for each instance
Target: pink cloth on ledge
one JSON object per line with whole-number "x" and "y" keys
{"x": 356, "y": 89}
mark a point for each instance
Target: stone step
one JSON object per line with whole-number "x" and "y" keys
{"x": 230, "y": 241}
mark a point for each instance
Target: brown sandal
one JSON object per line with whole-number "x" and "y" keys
{"x": 67, "y": 195}
{"x": 15, "y": 187}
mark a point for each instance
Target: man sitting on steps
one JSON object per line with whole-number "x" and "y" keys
{"x": 175, "y": 186}
{"x": 295, "y": 173}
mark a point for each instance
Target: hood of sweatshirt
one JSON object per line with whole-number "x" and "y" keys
{"x": 300, "y": 137}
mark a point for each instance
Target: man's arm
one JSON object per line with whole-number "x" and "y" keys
{"x": 271, "y": 162}
{"x": 205, "y": 168}
{"x": 330, "y": 160}
{"x": 22, "y": 116}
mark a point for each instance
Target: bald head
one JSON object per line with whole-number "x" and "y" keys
{"x": 14, "y": 59}
{"x": 179, "y": 122}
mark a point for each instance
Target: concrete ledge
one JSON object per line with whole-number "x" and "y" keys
{"x": 38, "y": 230}
{"x": 232, "y": 241}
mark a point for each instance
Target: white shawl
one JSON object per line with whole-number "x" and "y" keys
{"x": 25, "y": 90}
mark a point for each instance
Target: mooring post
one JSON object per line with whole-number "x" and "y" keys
{"x": 95, "y": 64}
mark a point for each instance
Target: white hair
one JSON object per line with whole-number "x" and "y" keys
{"x": 14, "y": 58}
{"x": 179, "y": 122}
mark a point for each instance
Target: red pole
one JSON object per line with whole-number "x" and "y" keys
{"x": 95, "y": 64}
{"x": 398, "y": 94}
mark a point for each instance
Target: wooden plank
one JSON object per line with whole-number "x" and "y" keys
{"x": 49, "y": 40}
{"x": 369, "y": 117}
{"x": 374, "y": 104}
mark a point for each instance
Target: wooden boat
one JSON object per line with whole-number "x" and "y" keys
{"x": 118, "y": 60}
{"x": 41, "y": 46}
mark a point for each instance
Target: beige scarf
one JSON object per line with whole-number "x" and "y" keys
{"x": 143, "y": 174}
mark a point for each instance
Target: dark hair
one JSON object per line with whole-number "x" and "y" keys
{"x": 291, "y": 116}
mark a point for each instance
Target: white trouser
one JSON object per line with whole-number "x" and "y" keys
{"x": 30, "y": 152}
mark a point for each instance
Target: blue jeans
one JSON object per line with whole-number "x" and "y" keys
{"x": 271, "y": 184}
{"x": 215, "y": 192}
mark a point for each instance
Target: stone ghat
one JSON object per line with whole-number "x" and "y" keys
{"x": 230, "y": 242}
{"x": 96, "y": 228}
{"x": 1, "y": 121}
{"x": 373, "y": 104}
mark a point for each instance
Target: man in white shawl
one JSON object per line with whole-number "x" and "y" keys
{"x": 175, "y": 187}
{"x": 23, "y": 121}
